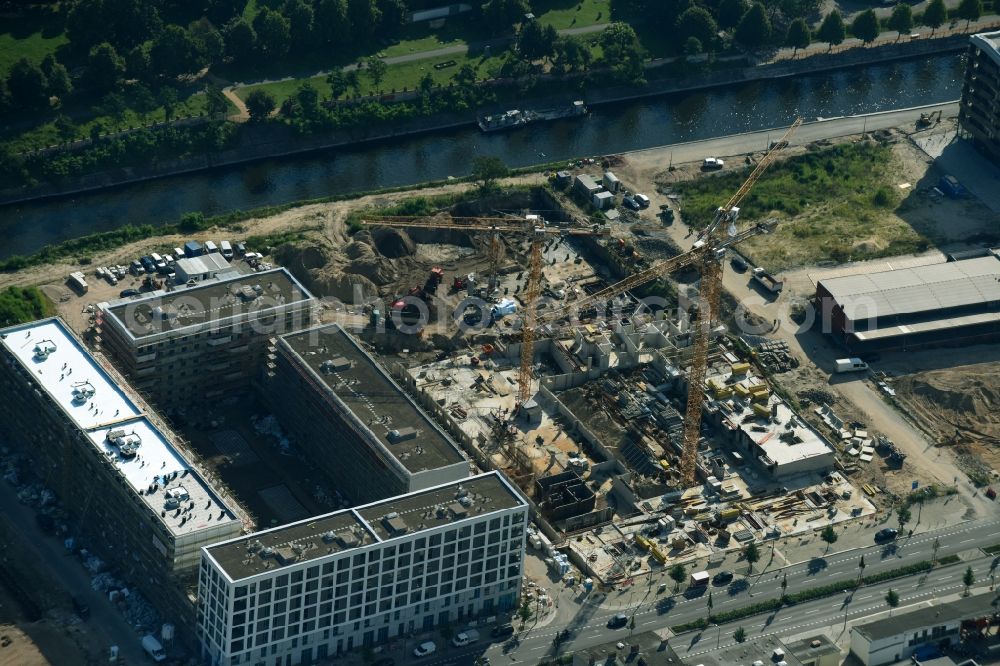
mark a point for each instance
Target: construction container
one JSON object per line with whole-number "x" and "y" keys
{"x": 758, "y": 388}
{"x": 740, "y": 368}
{"x": 761, "y": 397}
{"x": 741, "y": 390}
{"x": 729, "y": 514}
{"x": 664, "y": 463}
{"x": 761, "y": 410}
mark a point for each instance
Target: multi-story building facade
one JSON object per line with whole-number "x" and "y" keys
{"x": 353, "y": 421}
{"x": 979, "y": 114}
{"x": 117, "y": 469}
{"x": 325, "y": 585}
{"x": 197, "y": 343}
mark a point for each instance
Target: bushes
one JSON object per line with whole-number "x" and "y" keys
{"x": 949, "y": 559}
{"x": 18, "y": 305}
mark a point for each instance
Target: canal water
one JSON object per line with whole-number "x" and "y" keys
{"x": 25, "y": 228}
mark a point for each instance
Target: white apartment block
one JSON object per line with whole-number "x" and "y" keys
{"x": 329, "y": 584}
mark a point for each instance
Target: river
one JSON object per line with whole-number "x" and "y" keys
{"x": 25, "y": 228}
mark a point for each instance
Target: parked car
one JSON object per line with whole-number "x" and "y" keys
{"x": 617, "y": 621}
{"x": 425, "y": 649}
{"x": 886, "y": 534}
{"x": 712, "y": 163}
{"x": 722, "y": 578}
{"x": 502, "y": 631}
{"x": 128, "y": 293}
{"x": 630, "y": 202}
{"x": 642, "y": 200}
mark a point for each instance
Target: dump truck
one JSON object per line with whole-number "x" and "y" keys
{"x": 852, "y": 364}
{"x": 768, "y": 281}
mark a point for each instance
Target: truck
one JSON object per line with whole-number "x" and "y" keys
{"x": 227, "y": 249}
{"x": 698, "y": 579}
{"x": 467, "y": 637}
{"x": 153, "y": 648}
{"x": 768, "y": 281}
{"x": 852, "y": 364}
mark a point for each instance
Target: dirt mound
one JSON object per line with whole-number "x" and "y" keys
{"x": 393, "y": 243}
{"x": 347, "y": 288}
{"x": 948, "y": 400}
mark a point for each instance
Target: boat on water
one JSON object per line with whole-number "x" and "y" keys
{"x": 514, "y": 118}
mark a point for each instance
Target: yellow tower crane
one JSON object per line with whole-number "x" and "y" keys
{"x": 708, "y": 252}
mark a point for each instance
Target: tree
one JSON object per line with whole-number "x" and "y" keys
{"x": 861, "y": 569}
{"x": 524, "y": 612}
{"x": 730, "y": 13}
{"x": 903, "y": 515}
{"x": 240, "y": 40}
{"x": 168, "y": 100}
{"x": 307, "y": 98}
{"x": 331, "y": 25}
{"x": 220, "y": 12}
{"x": 260, "y": 104}
{"x": 216, "y": 104}
{"x": 27, "y": 85}
{"x": 392, "y": 15}
{"x": 64, "y": 125}
{"x": 465, "y": 76}
{"x": 698, "y": 23}
{"x": 740, "y": 634}
{"x": 376, "y": 69}
{"x": 337, "y": 82}
{"x": 829, "y": 535}
{"x": 426, "y": 85}
{"x": 784, "y": 584}
{"x": 678, "y": 574}
{"x": 105, "y": 68}
{"x": 865, "y": 26}
{"x": 353, "y": 81}
{"x": 142, "y": 100}
{"x": 486, "y": 169}
{"x": 832, "y": 29}
{"x": 752, "y": 554}
{"x": 934, "y": 549}
{"x": 901, "y": 19}
{"x": 208, "y": 44}
{"x": 274, "y": 33}
{"x": 892, "y": 598}
{"x": 970, "y": 10}
{"x": 535, "y": 42}
{"x": 500, "y": 15}
{"x": 692, "y": 46}
{"x": 968, "y": 579}
{"x": 798, "y": 35}
{"x": 710, "y": 605}
{"x": 571, "y": 55}
{"x": 935, "y": 15}
{"x": 364, "y": 18}
{"x": 622, "y": 53}
{"x": 754, "y": 28}
{"x": 301, "y": 20}
{"x": 57, "y": 79}
{"x": 174, "y": 53}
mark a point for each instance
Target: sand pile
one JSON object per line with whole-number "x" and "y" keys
{"x": 948, "y": 400}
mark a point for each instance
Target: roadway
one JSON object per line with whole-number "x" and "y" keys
{"x": 587, "y": 618}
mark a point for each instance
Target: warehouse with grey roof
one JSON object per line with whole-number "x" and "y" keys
{"x": 955, "y": 302}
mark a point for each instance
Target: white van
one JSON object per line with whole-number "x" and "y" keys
{"x": 227, "y": 249}
{"x": 210, "y": 247}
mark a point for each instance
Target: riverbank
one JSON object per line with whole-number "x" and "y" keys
{"x": 279, "y": 141}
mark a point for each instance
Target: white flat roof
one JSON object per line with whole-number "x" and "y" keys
{"x": 65, "y": 367}
{"x": 67, "y": 363}
{"x": 156, "y": 461}
{"x": 990, "y": 43}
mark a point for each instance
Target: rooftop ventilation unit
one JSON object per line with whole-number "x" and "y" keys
{"x": 394, "y": 524}
{"x": 44, "y": 349}
{"x": 127, "y": 443}
{"x": 82, "y": 392}
{"x": 335, "y": 364}
{"x": 402, "y": 435}
{"x": 248, "y": 293}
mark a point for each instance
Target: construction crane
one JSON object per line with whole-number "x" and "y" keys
{"x": 707, "y": 252}
{"x": 531, "y": 225}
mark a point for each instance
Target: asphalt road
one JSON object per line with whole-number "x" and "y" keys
{"x": 588, "y": 620}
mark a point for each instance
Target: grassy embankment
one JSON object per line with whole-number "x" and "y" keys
{"x": 838, "y": 203}
{"x": 18, "y": 305}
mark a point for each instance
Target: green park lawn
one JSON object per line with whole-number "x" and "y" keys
{"x": 16, "y": 43}
{"x": 563, "y": 14}
{"x": 398, "y": 76}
